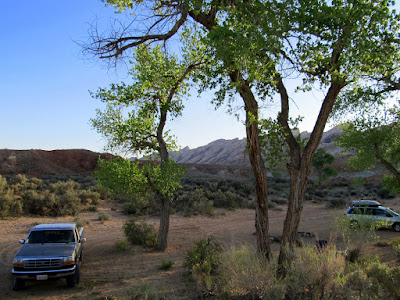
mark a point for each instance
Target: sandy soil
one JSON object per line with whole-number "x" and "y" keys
{"x": 107, "y": 271}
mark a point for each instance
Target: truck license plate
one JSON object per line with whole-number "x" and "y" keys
{"x": 41, "y": 277}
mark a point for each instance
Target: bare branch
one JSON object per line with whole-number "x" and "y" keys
{"x": 121, "y": 39}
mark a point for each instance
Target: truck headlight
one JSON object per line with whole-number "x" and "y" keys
{"x": 69, "y": 260}
{"x": 18, "y": 262}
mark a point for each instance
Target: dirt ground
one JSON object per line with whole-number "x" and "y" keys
{"x": 106, "y": 271}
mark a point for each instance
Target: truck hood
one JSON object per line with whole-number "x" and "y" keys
{"x": 46, "y": 250}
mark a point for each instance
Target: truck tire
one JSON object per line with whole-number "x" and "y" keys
{"x": 18, "y": 284}
{"x": 74, "y": 279}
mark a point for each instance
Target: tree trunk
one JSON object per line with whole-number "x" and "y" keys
{"x": 299, "y": 167}
{"x": 298, "y": 185}
{"x": 162, "y": 240}
{"x": 253, "y": 145}
{"x": 257, "y": 164}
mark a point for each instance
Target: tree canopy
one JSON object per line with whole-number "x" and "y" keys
{"x": 375, "y": 138}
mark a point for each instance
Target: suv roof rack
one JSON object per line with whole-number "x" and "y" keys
{"x": 370, "y": 203}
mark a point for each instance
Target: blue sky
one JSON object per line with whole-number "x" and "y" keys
{"x": 45, "y": 82}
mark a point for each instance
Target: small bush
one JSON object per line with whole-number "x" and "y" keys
{"x": 3, "y": 184}
{"x": 371, "y": 279}
{"x": 145, "y": 291}
{"x": 89, "y": 197}
{"x": 202, "y": 260}
{"x": 166, "y": 265}
{"x": 140, "y": 234}
{"x": 81, "y": 222}
{"x": 336, "y": 203}
{"x": 10, "y": 205}
{"x": 314, "y": 273}
{"x": 245, "y": 273}
{"x": 396, "y": 248}
{"x": 91, "y": 208}
{"x": 121, "y": 246}
{"x": 139, "y": 205}
{"x": 103, "y": 216}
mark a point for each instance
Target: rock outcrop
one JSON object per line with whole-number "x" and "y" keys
{"x": 233, "y": 152}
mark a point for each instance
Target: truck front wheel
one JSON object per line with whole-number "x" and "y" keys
{"x": 18, "y": 284}
{"x": 74, "y": 279}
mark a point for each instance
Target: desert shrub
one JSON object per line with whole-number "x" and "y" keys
{"x": 202, "y": 260}
{"x": 92, "y": 208}
{"x": 357, "y": 181}
{"x": 89, "y": 196}
{"x": 384, "y": 193}
{"x": 232, "y": 200}
{"x": 3, "y": 185}
{"x": 202, "y": 206}
{"x": 62, "y": 187}
{"x": 194, "y": 202}
{"x": 68, "y": 203}
{"x": 121, "y": 246}
{"x": 103, "y": 191}
{"x": 396, "y": 247}
{"x": 103, "y": 216}
{"x": 20, "y": 184}
{"x": 336, "y": 203}
{"x": 386, "y": 279}
{"x": 81, "y": 222}
{"x": 35, "y": 184}
{"x": 138, "y": 205}
{"x": 51, "y": 204}
{"x": 145, "y": 291}
{"x": 372, "y": 279}
{"x": 166, "y": 264}
{"x": 39, "y": 203}
{"x": 314, "y": 274}
{"x": 140, "y": 234}
{"x": 10, "y": 205}
{"x": 355, "y": 236}
{"x": 245, "y": 273}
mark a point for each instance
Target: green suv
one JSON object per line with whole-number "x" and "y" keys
{"x": 371, "y": 213}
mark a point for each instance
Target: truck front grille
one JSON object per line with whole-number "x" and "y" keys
{"x": 42, "y": 263}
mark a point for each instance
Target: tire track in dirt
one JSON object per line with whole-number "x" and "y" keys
{"x": 7, "y": 253}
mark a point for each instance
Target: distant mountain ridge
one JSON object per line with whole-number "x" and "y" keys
{"x": 219, "y": 157}
{"x": 233, "y": 152}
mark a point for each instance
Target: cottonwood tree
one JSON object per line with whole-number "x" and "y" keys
{"x": 134, "y": 120}
{"x": 161, "y": 22}
{"x": 375, "y": 138}
{"x": 336, "y": 45}
{"x": 257, "y": 46}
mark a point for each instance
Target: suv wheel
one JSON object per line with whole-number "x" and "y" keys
{"x": 74, "y": 279}
{"x": 18, "y": 284}
{"x": 396, "y": 227}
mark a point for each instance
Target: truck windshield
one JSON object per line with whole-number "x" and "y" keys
{"x": 50, "y": 236}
